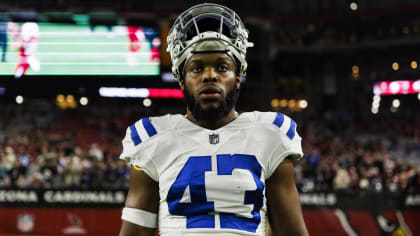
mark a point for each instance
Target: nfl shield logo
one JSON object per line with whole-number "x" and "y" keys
{"x": 214, "y": 138}
{"x": 25, "y": 223}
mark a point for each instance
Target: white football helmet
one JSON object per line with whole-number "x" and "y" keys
{"x": 29, "y": 29}
{"x": 207, "y": 27}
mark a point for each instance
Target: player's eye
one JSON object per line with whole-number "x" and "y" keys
{"x": 196, "y": 69}
{"x": 222, "y": 68}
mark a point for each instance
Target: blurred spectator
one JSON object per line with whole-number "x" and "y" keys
{"x": 15, "y": 174}
{"x": 96, "y": 152}
{"x": 9, "y": 158}
{"x": 342, "y": 179}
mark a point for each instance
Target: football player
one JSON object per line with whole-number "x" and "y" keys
{"x": 211, "y": 171}
{"x": 28, "y": 44}
{"x": 136, "y": 37}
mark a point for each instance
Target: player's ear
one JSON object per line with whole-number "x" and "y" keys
{"x": 238, "y": 82}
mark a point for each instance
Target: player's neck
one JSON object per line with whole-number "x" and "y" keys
{"x": 213, "y": 124}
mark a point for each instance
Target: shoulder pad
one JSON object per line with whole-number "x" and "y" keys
{"x": 138, "y": 133}
{"x": 286, "y": 125}
{"x": 142, "y": 130}
{"x": 136, "y": 145}
{"x": 289, "y": 141}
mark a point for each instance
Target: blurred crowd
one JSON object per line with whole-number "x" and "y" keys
{"x": 43, "y": 146}
{"x": 374, "y": 153}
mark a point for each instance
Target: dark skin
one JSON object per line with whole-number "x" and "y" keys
{"x": 210, "y": 77}
{"x": 143, "y": 194}
{"x": 284, "y": 210}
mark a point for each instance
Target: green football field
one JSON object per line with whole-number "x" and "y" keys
{"x": 66, "y": 49}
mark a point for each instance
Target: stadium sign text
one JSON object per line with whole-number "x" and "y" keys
{"x": 318, "y": 199}
{"x": 62, "y": 197}
{"x": 26, "y": 196}
{"x": 67, "y": 196}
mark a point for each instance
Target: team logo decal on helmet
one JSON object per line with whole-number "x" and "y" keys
{"x": 207, "y": 28}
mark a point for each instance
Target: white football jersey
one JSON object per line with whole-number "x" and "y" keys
{"x": 212, "y": 182}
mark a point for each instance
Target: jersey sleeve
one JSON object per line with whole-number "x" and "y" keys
{"x": 288, "y": 145}
{"x": 138, "y": 149}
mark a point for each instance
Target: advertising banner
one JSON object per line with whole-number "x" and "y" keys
{"x": 98, "y": 212}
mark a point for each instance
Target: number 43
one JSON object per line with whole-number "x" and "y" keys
{"x": 197, "y": 210}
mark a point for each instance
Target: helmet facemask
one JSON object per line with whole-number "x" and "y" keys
{"x": 207, "y": 28}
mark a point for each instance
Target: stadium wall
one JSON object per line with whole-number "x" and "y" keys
{"x": 97, "y": 212}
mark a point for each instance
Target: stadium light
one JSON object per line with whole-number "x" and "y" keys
{"x": 374, "y": 110}
{"x": 396, "y": 87}
{"x": 353, "y": 6}
{"x": 123, "y": 92}
{"x": 147, "y": 102}
{"x": 355, "y": 69}
{"x": 413, "y": 65}
{"x": 355, "y": 72}
{"x": 283, "y": 103}
{"x": 303, "y": 104}
{"x": 275, "y": 102}
{"x": 395, "y": 66}
{"x": 140, "y": 92}
{"x": 292, "y": 103}
{"x": 416, "y": 85}
{"x": 84, "y": 101}
{"x": 19, "y": 99}
{"x": 396, "y": 103}
{"x": 60, "y": 98}
{"x": 70, "y": 98}
{"x": 375, "y": 104}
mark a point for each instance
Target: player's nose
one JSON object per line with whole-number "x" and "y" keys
{"x": 210, "y": 74}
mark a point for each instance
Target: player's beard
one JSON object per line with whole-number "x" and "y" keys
{"x": 211, "y": 114}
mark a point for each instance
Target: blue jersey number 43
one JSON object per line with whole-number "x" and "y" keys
{"x": 197, "y": 210}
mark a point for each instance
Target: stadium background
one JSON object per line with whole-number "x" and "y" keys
{"x": 317, "y": 61}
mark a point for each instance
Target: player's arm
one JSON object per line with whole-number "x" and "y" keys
{"x": 284, "y": 210}
{"x": 141, "y": 205}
